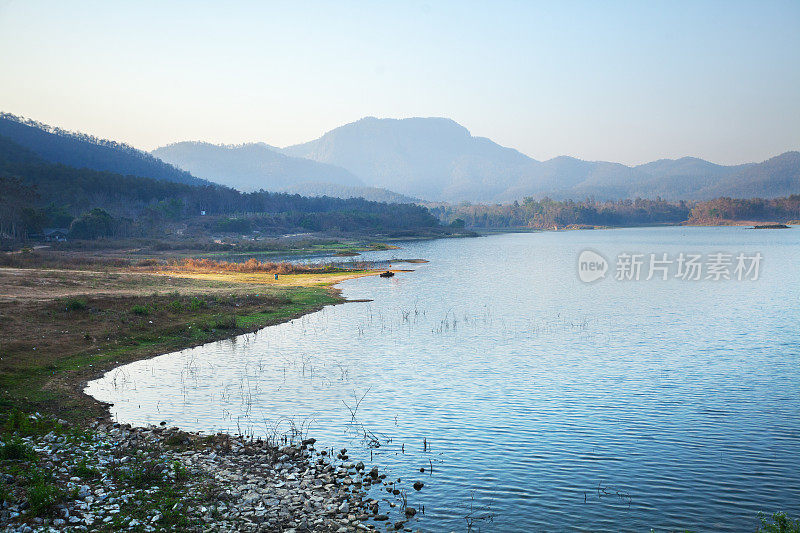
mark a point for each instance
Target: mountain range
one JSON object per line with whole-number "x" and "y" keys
{"x": 254, "y": 166}
{"x": 249, "y": 167}
{"x": 408, "y": 160}
{"x": 436, "y": 159}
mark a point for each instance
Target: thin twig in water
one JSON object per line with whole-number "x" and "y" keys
{"x": 354, "y": 410}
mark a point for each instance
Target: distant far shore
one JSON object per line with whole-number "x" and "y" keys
{"x": 576, "y": 227}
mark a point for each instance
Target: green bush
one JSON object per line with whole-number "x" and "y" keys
{"x": 144, "y": 473}
{"x": 223, "y": 322}
{"x": 181, "y": 473}
{"x": 43, "y": 497}
{"x": 141, "y": 310}
{"x": 780, "y": 523}
{"x": 233, "y": 225}
{"x": 75, "y": 304}
{"x": 458, "y": 223}
{"x": 195, "y": 304}
{"x": 84, "y": 471}
{"x": 24, "y": 425}
{"x": 17, "y": 450}
{"x": 95, "y": 224}
{"x": 176, "y": 306}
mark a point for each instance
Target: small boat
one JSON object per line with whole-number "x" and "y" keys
{"x": 387, "y": 274}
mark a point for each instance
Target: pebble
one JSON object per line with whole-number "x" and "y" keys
{"x": 252, "y": 486}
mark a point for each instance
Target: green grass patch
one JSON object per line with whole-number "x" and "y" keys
{"x": 44, "y": 495}
{"x": 223, "y": 322}
{"x": 16, "y": 450}
{"x": 75, "y": 304}
{"x": 195, "y": 304}
{"x": 23, "y": 387}
{"x": 16, "y": 422}
{"x": 181, "y": 473}
{"x": 143, "y": 472}
{"x": 140, "y": 310}
{"x": 84, "y": 471}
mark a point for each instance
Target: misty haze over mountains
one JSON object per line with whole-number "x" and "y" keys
{"x": 436, "y": 159}
{"x": 254, "y": 166}
{"x": 407, "y": 160}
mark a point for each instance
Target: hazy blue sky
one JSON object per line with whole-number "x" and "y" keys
{"x": 622, "y": 81}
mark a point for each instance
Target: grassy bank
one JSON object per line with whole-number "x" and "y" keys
{"x": 62, "y": 327}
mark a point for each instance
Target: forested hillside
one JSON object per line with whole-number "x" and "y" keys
{"x": 85, "y": 151}
{"x": 35, "y": 194}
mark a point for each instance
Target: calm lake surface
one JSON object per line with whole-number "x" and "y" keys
{"x": 547, "y": 403}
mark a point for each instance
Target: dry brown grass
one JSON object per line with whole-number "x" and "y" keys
{"x": 29, "y": 258}
{"x": 250, "y": 266}
{"x": 48, "y": 284}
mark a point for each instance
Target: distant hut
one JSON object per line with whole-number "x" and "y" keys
{"x": 55, "y": 234}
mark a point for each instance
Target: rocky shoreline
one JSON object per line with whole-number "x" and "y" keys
{"x": 113, "y": 477}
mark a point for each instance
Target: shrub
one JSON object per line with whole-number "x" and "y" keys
{"x": 176, "y": 306}
{"x": 145, "y": 473}
{"x": 83, "y": 471}
{"x": 17, "y": 450}
{"x": 458, "y": 223}
{"x": 195, "y": 304}
{"x": 176, "y": 439}
{"x": 223, "y": 322}
{"x": 234, "y": 225}
{"x": 24, "y": 425}
{"x": 780, "y": 523}
{"x": 181, "y": 473}
{"x": 250, "y": 266}
{"x": 43, "y": 497}
{"x": 95, "y": 224}
{"x": 141, "y": 310}
{"x": 75, "y": 304}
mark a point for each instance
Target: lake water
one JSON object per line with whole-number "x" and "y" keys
{"x": 546, "y": 403}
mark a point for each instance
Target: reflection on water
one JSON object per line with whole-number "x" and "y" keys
{"x": 529, "y": 398}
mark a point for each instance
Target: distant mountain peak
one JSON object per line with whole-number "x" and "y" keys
{"x": 410, "y": 125}
{"x": 430, "y": 157}
{"x": 252, "y": 166}
{"x": 435, "y": 158}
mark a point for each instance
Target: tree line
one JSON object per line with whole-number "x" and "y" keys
{"x": 546, "y": 213}
{"x": 35, "y": 194}
{"x": 82, "y": 150}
